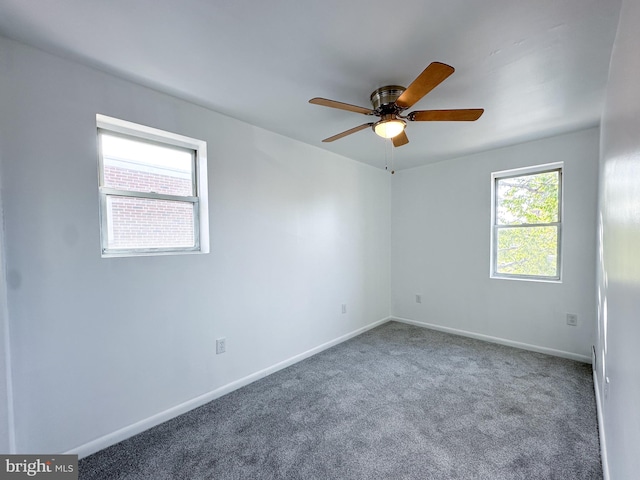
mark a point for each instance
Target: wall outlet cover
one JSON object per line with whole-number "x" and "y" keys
{"x": 221, "y": 345}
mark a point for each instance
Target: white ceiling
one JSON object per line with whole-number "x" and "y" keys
{"x": 537, "y": 67}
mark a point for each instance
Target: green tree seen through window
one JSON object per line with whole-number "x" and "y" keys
{"x": 527, "y": 222}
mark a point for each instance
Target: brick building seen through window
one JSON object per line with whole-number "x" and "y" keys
{"x": 148, "y": 223}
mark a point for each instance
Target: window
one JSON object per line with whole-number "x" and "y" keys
{"x": 526, "y": 223}
{"x": 153, "y": 190}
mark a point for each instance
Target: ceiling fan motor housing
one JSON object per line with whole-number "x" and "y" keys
{"x": 384, "y": 99}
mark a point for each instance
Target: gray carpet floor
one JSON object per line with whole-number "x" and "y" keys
{"x": 397, "y": 402}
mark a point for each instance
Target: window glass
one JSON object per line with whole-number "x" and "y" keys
{"x": 132, "y": 164}
{"x": 528, "y": 251}
{"x": 136, "y": 222}
{"x": 528, "y": 199}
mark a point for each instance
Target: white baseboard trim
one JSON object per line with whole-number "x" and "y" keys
{"x": 501, "y": 341}
{"x": 147, "y": 423}
{"x": 603, "y": 443}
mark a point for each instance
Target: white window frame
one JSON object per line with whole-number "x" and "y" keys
{"x": 143, "y": 133}
{"x": 518, "y": 172}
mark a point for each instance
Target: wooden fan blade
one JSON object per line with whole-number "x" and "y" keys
{"x": 465, "y": 115}
{"x": 342, "y": 106}
{"x": 430, "y": 78}
{"x": 400, "y": 139}
{"x": 347, "y": 132}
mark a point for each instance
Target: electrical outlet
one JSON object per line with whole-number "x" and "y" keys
{"x": 344, "y": 308}
{"x": 221, "y": 345}
{"x": 418, "y": 298}
{"x": 572, "y": 319}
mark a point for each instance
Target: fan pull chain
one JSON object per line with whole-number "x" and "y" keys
{"x": 388, "y": 146}
{"x": 386, "y": 155}
{"x": 393, "y": 167}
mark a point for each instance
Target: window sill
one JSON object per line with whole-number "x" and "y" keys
{"x": 152, "y": 254}
{"x": 525, "y": 279}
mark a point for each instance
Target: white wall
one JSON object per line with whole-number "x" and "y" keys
{"x": 441, "y": 244}
{"x": 99, "y": 344}
{"x": 619, "y": 247}
{"x": 5, "y": 382}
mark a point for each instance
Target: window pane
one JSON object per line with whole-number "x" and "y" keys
{"x": 139, "y": 166}
{"x": 148, "y": 223}
{"x": 528, "y": 199}
{"x": 527, "y": 251}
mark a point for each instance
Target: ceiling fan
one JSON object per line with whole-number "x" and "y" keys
{"x": 391, "y": 101}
